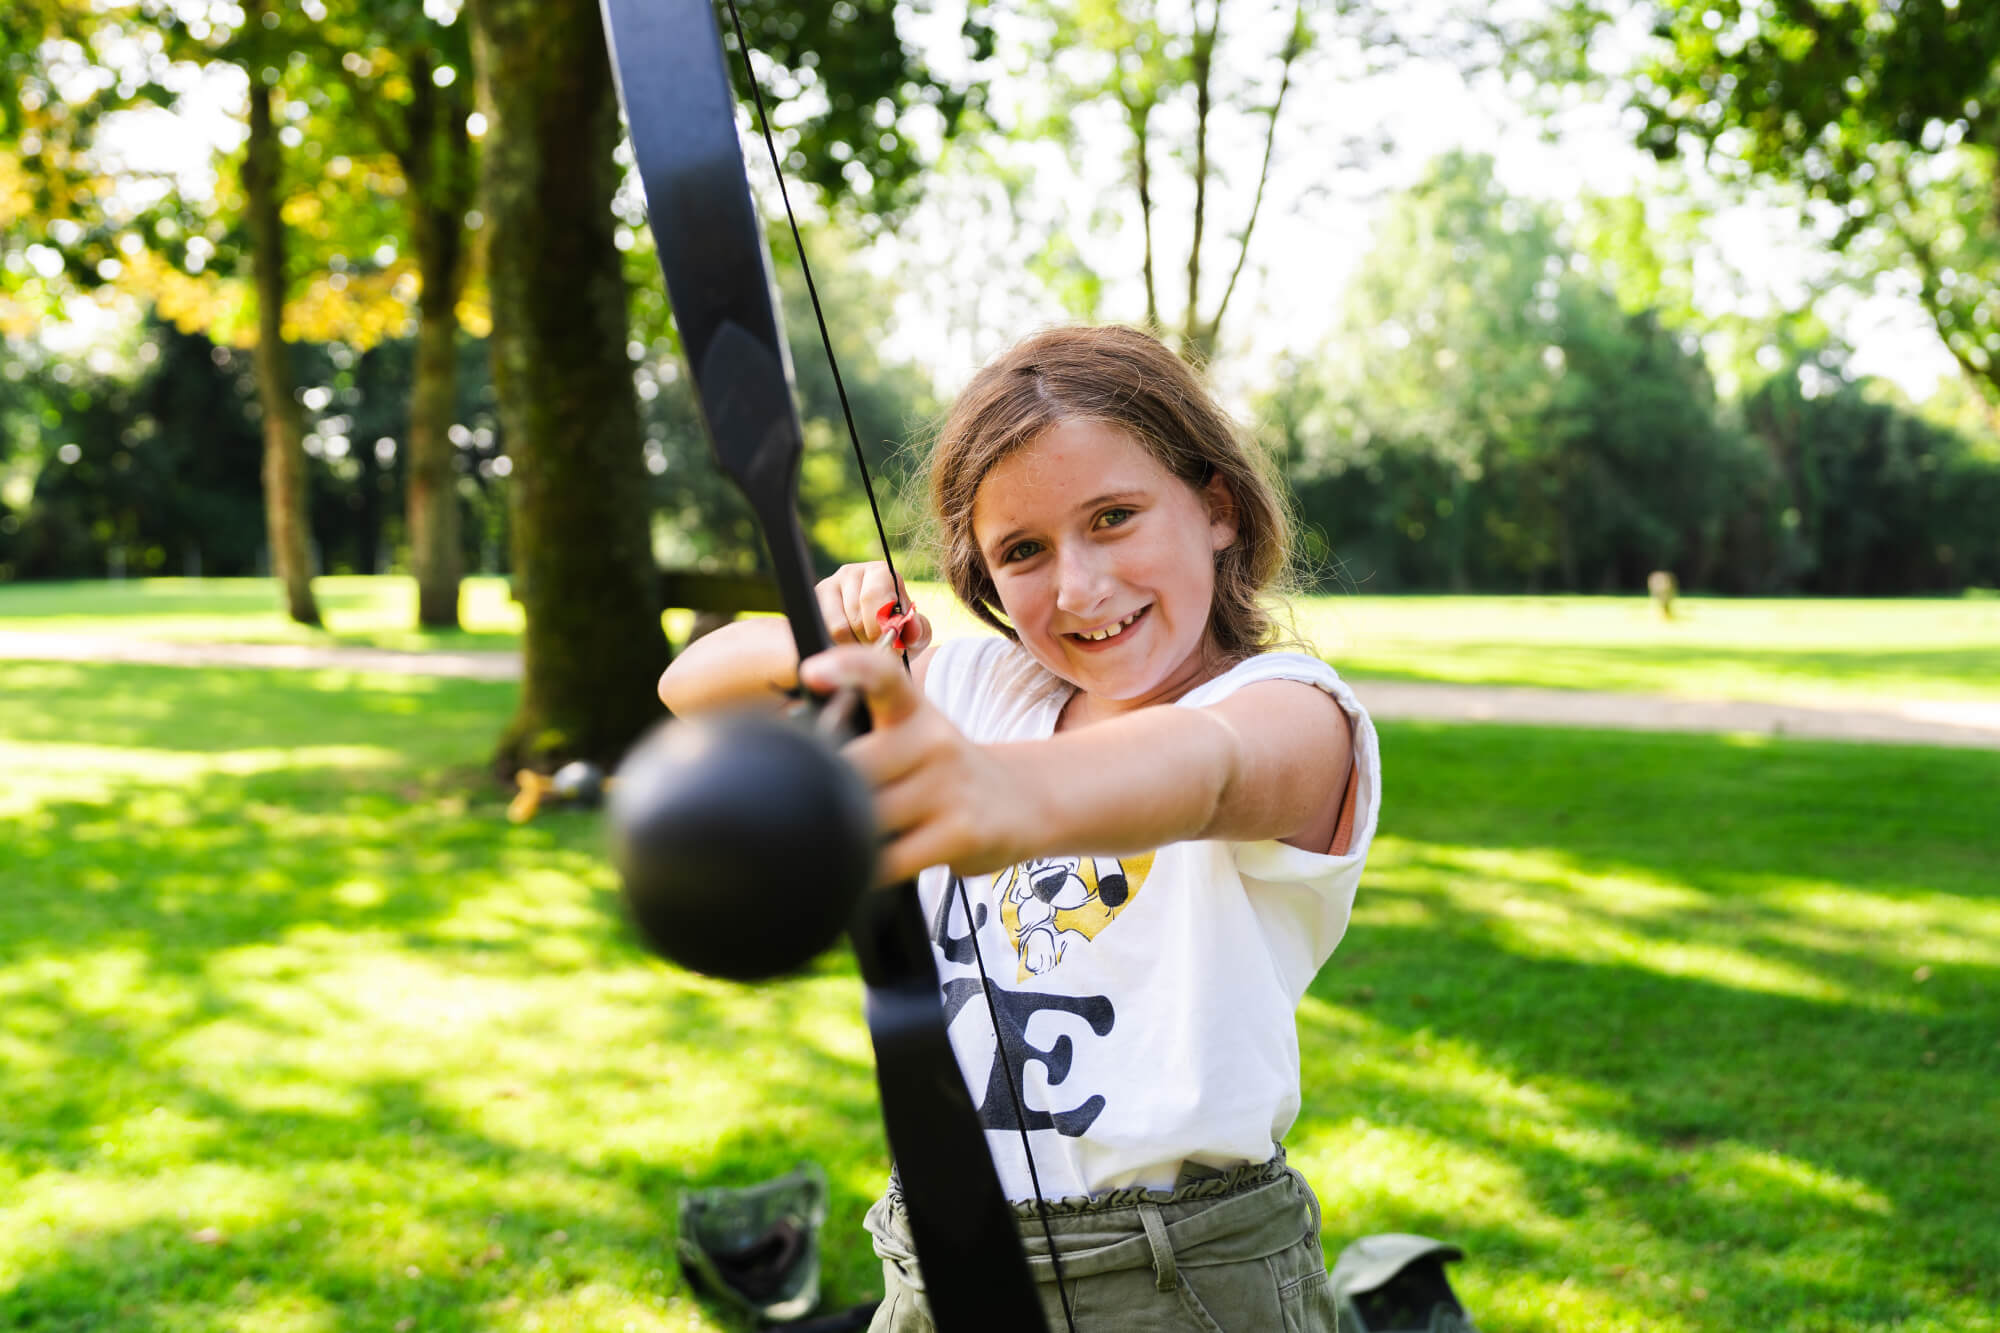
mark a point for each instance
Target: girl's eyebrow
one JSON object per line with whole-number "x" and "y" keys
{"x": 1094, "y": 502}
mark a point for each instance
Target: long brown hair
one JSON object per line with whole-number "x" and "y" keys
{"x": 1123, "y": 378}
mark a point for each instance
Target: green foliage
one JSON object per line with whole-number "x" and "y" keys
{"x": 1879, "y": 500}
{"x": 1492, "y": 417}
{"x": 1883, "y": 114}
{"x": 180, "y": 411}
{"x": 147, "y": 462}
{"x": 1502, "y": 411}
{"x": 1162, "y": 86}
{"x": 702, "y": 519}
{"x": 149, "y": 471}
{"x": 859, "y": 104}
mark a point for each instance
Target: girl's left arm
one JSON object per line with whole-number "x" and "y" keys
{"x": 1270, "y": 761}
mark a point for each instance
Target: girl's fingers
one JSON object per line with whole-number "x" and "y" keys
{"x": 834, "y": 609}
{"x": 904, "y": 803}
{"x": 892, "y": 696}
{"x": 849, "y": 597}
{"x": 904, "y": 858}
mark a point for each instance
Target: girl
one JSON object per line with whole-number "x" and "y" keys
{"x": 1142, "y": 825}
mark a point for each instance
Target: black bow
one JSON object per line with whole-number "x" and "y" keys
{"x": 674, "y": 83}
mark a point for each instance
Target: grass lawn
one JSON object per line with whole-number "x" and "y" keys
{"x": 1670, "y": 1032}
{"x": 361, "y": 610}
{"x": 1787, "y": 651}
{"x": 1797, "y": 651}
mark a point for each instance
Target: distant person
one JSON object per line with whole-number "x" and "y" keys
{"x": 1146, "y": 821}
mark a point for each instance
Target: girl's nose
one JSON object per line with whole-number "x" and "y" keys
{"x": 1082, "y": 580}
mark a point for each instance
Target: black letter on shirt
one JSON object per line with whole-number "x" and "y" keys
{"x": 1012, "y": 1010}
{"x": 956, "y": 948}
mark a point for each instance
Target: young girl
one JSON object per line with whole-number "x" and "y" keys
{"x": 1157, "y": 824}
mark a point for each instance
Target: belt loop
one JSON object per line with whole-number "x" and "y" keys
{"x": 1165, "y": 1274}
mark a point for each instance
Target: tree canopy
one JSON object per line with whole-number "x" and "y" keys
{"x": 1884, "y": 116}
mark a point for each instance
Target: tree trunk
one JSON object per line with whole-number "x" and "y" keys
{"x": 441, "y": 169}
{"x": 438, "y": 161}
{"x": 1194, "y": 346}
{"x": 284, "y": 430}
{"x": 1138, "y": 115}
{"x": 584, "y": 574}
{"x": 431, "y": 490}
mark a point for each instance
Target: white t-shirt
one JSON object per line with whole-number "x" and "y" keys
{"x": 1151, "y": 998}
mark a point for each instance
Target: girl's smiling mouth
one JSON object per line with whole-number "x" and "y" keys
{"x": 1105, "y": 635}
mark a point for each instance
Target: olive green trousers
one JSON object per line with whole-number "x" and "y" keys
{"x": 1235, "y": 1251}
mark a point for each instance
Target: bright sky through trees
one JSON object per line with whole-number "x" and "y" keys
{"x": 963, "y": 261}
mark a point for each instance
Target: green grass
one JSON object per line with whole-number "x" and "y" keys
{"x": 1670, "y": 1032}
{"x": 1830, "y": 652}
{"x": 360, "y": 610}
{"x": 1800, "y": 651}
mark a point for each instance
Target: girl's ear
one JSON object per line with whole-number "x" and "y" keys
{"x": 1222, "y": 512}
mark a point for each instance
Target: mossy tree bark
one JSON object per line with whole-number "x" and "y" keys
{"x": 593, "y": 648}
{"x": 284, "y": 427}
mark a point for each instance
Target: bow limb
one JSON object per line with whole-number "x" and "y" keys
{"x": 668, "y": 59}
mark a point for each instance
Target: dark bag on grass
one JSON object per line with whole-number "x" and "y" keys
{"x": 757, "y": 1248}
{"x": 1395, "y": 1283}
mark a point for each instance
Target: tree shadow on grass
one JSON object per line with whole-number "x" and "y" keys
{"x": 1620, "y": 1065}
{"x": 583, "y": 1103}
{"x": 230, "y": 985}
{"x": 425, "y": 1217}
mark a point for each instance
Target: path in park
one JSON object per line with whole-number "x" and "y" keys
{"x": 1908, "y": 722}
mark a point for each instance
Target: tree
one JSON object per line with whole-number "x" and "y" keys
{"x": 284, "y": 430}
{"x": 1883, "y": 114}
{"x": 140, "y": 457}
{"x": 1142, "y": 66}
{"x": 324, "y": 244}
{"x": 593, "y": 647}
{"x": 408, "y": 79}
{"x": 1875, "y": 500}
{"x": 1489, "y": 415}
{"x": 584, "y": 573}
{"x": 1169, "y": 94}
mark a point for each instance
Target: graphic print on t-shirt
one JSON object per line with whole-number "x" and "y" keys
{"x": 1052, "y": 903}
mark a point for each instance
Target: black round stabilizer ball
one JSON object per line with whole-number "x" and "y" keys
{"x": 580, "y": 781}
{"x": 744, "y": 841}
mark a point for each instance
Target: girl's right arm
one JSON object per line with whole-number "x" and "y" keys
{"x": 741, "y": 665}
{"x": 755, "y": 663}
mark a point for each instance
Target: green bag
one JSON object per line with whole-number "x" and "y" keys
{"x": 1395, "y": 1283}
{"x": 757, "y": 1248}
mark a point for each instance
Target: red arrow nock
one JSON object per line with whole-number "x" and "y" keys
{"x": 898, "y": 627}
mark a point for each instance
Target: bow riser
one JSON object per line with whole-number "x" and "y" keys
{"x": 722, "y": 291}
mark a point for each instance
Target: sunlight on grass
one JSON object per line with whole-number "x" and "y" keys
{"x": 1796, "y": 651}
{"x": 41, "y": 774}
{"x": 1595, "y": 917}
{"x": 1668, "y": 1033}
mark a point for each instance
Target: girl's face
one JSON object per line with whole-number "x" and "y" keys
{"x": 1105, "y": 564}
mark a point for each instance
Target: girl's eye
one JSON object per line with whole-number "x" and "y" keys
{"x": 1111, "y": 518}
{"x": 1020, "y": 551}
